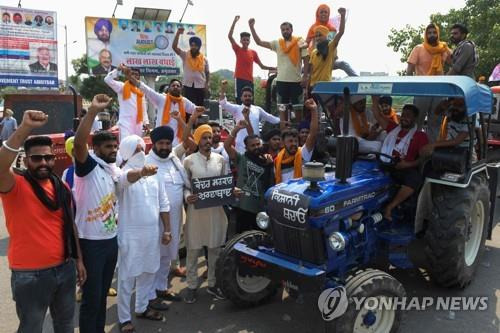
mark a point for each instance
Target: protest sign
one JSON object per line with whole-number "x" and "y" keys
{"x": 213, "y": 191}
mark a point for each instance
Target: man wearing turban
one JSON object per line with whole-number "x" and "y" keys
{"x": 195, "y": 66}
{"x": 174, "y": 177}
{"x": 323, "y": 56}
{"x": 102, "y": 30}
{"x": 204, "y": 226}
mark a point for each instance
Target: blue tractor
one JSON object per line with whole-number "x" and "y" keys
{"x": 325, "y": 231}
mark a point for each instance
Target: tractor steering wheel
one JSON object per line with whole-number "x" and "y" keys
{"x": 392, "y": 160}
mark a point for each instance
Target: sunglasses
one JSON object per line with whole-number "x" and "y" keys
{"x": 39, "y": 158}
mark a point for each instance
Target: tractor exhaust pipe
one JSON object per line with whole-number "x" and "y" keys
{"x": 76, "y": 120}
{"x": 345, "y": 144}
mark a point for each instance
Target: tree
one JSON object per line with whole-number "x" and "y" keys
{"x": 480, "y": 17}
{"x": 89, "y": 86}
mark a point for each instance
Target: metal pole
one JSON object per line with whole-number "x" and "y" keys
{"x": 66, "y": 52}
{"x": 184, "y": 12}
{"x": 114, "y": 10}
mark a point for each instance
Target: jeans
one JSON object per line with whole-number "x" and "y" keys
{"x": 99, "y": 258}
{"x": 52, "y": 288}
{"x": 344, "y": 65}
{"x": 192, "y": 266}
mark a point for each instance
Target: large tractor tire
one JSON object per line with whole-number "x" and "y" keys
{"x": 244, "y": 290}
{"x": 371, "y": 316}
{"x": 455, "y": 237}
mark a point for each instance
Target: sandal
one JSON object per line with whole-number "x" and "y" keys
{"x": 150, "y": 314}
{"x": 127, "y": 327}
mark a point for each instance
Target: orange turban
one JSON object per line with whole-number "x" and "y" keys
{"x": 198, "y": 133}
{"x": 322, "y": 29}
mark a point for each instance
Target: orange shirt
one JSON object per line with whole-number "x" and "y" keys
{"x": 36, "y": 233}
{"x": 422, "y": 59}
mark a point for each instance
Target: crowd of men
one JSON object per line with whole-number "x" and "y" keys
{"x": 117, "y": 204}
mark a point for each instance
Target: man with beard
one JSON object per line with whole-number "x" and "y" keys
{"x": 105, "y": 65}
{"x": 255, "y": 176}
{"x": 464, "y": 57}
{"x": 195, "y": 66}
{"x": 167, "y": 105}
{"x": 205, "y": 226}
{"x": 43, "y": 245}
{"x": 272, "y": 142}
{"x": 133, "y": 115}
{"x": 245, "y": 58}
{"x": 174, "y": 177}
{"x": 142, "y": 202}
{"x": 217, "y": 145}
{"x": 255, "y": 113}
{"x": 102, "y": 29}
{"x": 288, "y": 163}
{"x": 429, "y": 57}
{"x": 94, "y": 190}
{"x": 323, "y": 56}
{"x": 403, "y": 142}
{"x": 291, "y": 51}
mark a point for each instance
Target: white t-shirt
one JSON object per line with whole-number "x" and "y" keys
{"x": 287, "y": 174}
{"x": 257, "y": 114}
{"x": 95, "y": 198}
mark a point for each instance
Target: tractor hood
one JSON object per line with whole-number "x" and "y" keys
{"x": 296, "y": 201}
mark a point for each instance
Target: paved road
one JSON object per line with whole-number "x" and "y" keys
{"x": 284, "y": 314}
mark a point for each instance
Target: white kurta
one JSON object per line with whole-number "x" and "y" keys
{"x": 127, "y": 121}
{"x": 256, "y": 115}
{"x": 140, "y": 205}
{"x": 173, "y": 181}
{"x": 206, "y": 226}
{"x": 158, "y": 100}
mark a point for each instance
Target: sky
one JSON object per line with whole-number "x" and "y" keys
{"x": 364, "y": 44}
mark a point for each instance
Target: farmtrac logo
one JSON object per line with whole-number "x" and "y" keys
{"x": 332, "y": 303}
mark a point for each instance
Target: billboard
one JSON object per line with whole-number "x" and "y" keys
{"x": 146, "y": 45}
{"x": 28, "y": 47}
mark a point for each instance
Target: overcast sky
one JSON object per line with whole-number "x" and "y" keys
{"x": 363, "y": 44}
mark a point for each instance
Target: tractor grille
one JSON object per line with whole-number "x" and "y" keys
{"x": 302, "y": 243}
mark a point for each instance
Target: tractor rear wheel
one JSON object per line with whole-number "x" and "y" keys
{"x": 456, "y": 236}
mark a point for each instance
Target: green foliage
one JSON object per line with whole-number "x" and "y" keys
{"x": 480, "y": 17}
{"x": 94, "y": 85}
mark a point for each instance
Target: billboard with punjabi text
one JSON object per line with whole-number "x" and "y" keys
{"x": 146, "y": 45}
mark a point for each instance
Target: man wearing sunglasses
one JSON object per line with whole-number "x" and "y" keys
{"x": 43, "y": 240}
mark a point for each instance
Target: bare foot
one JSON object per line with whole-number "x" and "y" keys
{"x": 388, "y": 213}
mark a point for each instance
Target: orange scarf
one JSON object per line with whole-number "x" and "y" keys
{"x": 436, "y": 53}
{"x": 292, "y": 50}
{"x": 129, "y": 88}
{"x": 165, "y": 119}
{"x": 360, "y": 123}
{"x": 297, "y": 164}
{"x": 443, "y": 131}
{"x": 392, "y": 116}
{"x": 196, "y": 64}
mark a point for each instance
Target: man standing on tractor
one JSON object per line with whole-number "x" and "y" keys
{"x": 133, "y": 115}
{"x": 402, "y": 143}
{"x": 245, "y": 58}
{"x": 288, "y": 163}
{"x": 464, "y": 57}
{"x": 291, "y": 52}
{"x": 429, "y": 58}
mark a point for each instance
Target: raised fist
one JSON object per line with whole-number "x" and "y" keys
{"x": 100, "y": 102}
{"x": 34, "y": 118}
{"x": 251, "y": 22}
{"x": 180, "y": 30}
{"x": 342, "y": 11}
{"x": 236, "y": 18}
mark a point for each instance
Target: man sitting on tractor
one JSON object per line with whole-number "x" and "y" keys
{"x": 403, "y": 143}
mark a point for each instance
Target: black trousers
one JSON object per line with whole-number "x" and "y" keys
{"x": 195, "y": 95}
{"x": 99, "y": 258}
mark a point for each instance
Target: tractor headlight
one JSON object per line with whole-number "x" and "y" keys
{"x": 337, "y": 241}
{"x": 262, "y": 220}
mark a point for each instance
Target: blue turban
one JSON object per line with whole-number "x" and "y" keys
{"x": 195, "y": 40}
{"x": 161, "y": 133}
{"x": 304, "y": 124}
{"x": 102, "y": 22}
